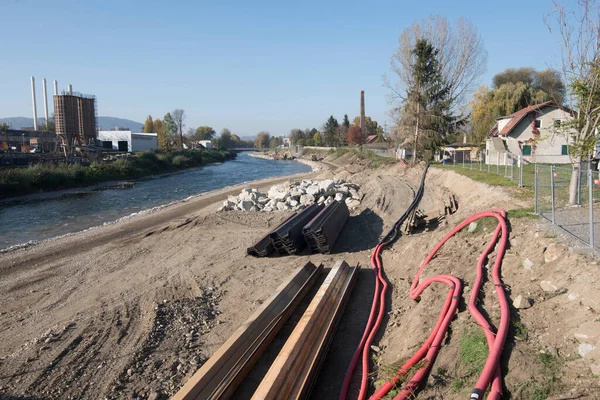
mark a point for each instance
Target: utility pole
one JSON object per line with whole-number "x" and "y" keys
{"x": 363, "y": 128}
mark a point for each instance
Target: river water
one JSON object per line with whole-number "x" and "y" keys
{"x": 75, "y": 210}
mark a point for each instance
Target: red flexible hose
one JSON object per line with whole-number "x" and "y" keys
{"x": 428, "y": 352}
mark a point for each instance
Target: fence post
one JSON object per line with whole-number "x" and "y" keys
{"x": 520, "y": 170}
{"x": 454, "y": 158}
{"x": 463, "y": 157}
{"x": 512, "y": 165}
{"x": 505, "y": 164}
{"x": 498, "y": 163}
{"x": 535, "y": 189}
{"x": 579, "y": 185}
{"x": 552, "y": 171}
{"x": 591, "y": 206}
{"x": 480, "y": 165}
{"x": 489, "y": 163}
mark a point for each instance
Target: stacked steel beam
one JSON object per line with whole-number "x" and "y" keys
{"x": 264, "y": 247}
{"x": 323, "y": 230}
{"x": 288, "y": 237}
{"x": 294, "y": 371}
{"x": 220, "y": 376}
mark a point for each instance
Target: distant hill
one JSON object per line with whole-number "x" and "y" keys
{"x": 104, "y": 123}
{"x": 107, "y": 123}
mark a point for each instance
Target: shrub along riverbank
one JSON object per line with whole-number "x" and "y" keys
{"x": 35, "y": 178}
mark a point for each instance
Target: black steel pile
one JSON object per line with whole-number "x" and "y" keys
{"x": 264, "y": 247}
{"x": 323, "y": 230}
{"x": 288, "y": 237}
{"x": 316, "y": 225}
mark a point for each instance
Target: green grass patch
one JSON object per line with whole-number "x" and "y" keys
{"x": 519, "y": 330}
{"x": 521, "y": 213}
{"x": 477, "y": 175}
{"x": 387, "y": 372}
{"x": 484, "y": 225}
{"x": 546, "y": 383}
{"x": 41, "y": 177}
{"x": 472, "y": 353}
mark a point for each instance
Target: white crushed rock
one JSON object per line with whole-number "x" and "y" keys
{"x": 294, "y": 196}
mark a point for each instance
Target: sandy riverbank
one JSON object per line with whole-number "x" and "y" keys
{"x": 315, "y": 166}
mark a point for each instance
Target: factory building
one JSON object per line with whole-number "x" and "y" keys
{"x": 75, "y": 119}
{"x": 127, "y": 141}
{"x": 22, "y": 141}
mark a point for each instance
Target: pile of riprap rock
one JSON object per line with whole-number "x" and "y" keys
{"x": 295, "y": 196}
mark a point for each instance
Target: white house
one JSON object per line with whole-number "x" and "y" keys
{"x": 533, "y": 133}
{"x": 206, "y": 143}
{"x": 127, "y": 141}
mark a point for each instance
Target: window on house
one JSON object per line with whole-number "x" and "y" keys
{"x": 564, "y": 151}
{"x": 527, "y": 150}
{"x": 557, "y": 123}
{"x": 538, "y": 123}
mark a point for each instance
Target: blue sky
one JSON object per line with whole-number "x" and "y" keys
{"x": 245, "y": 65}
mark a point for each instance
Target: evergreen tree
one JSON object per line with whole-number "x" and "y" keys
{"x": 149, "y": 125}
{"x": 330, "y": 132}
{"x": 346, "y": 122}
{"x": 425, "y": 113}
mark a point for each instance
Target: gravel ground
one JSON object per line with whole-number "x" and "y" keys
{"x": 572, "y": 224}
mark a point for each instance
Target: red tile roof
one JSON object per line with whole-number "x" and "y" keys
{"x": 371, "y": 139}
{"x": 518, "y": 116}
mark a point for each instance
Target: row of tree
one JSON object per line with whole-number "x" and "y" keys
{"x": 334, "y": 134}
{"x": 171, "y": 136}
{"x": 169, "y": 129}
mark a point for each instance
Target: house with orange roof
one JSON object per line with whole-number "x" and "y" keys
{"x": 533, "y": 133}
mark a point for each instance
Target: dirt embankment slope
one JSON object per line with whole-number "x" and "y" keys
{"x": 131, "y": 310}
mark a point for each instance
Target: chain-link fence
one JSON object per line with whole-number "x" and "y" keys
{"x": 567, "y": 197}
{"x": 512, "y": 167}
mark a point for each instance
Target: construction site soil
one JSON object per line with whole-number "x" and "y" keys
{"x": 132, "y": 309}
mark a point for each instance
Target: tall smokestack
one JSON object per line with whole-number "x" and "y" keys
{"x": 34, "y": 105}
{"x": 70, "y": 89}
{"x": 45, "y": 100}
{"x": 55, "y": 87}
{"x": 363, "y": 127}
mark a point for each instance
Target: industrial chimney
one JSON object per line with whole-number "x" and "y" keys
{"x": 34, "y": 105}
{"x": 45, "y": 100}
{"x": 55, "y": 87}
{"x": 363, "y": 128}
{"x": 70, "y": 89}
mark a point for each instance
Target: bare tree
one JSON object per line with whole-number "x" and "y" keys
{"x": 462, "y": 58}
{"x": 178, "y": 118}
{"x": 579, "y": 33}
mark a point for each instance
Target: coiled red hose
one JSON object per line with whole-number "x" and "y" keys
{"x": 491, "y": 372}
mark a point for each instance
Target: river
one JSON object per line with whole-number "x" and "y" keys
{"x": 23, "y": 220}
